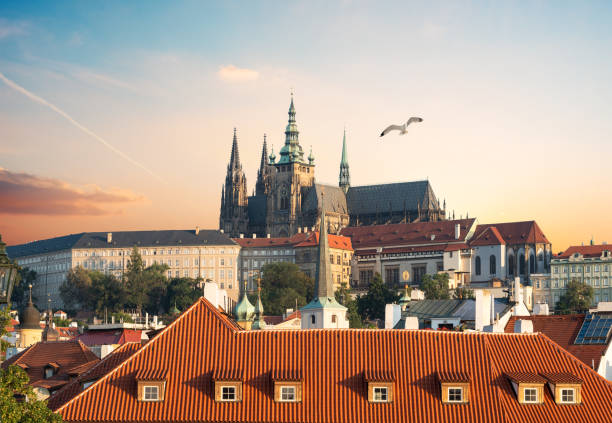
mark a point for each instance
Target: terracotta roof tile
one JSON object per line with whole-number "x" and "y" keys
{"x": 562, "y": 377}
{"x": 563, "y": 330}
{"x": 525, "y": 377}
{"x": 151, "y": 374}
{"x": 489, "y": 236}
{"x": 588, "y": 251}
{"x": 285, "y": 374}
{"x": 515, "y": 232}
{"x": 200, "y": 342}
{"x": 378, "y": 375}
{"x": 110, "y": 336}
{"x": 453, "y": 376}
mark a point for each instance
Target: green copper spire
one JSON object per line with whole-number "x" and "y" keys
{"x": 292, "y": 150}
{"x": 259, "y": 322}
{"x": 244, "y": 309}
{"x": 345, "y": 178}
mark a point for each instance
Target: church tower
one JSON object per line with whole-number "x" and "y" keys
{"x": 290, "y": 175}
{"x": 345, "y": 178}
{"x": 324, "y": 312}
{"x": 262, "y": 187}
{"x": 233, "y": 218}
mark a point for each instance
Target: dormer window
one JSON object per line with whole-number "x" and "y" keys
{"x": 380, "y": 385}
{"x": 287, "y": 385}
{"x": 228, "y": 386}
{"x": 565, "y": 387}
{"x": 528, "y": 387}
{"x": 48, "y": 372}
{"x": 455, "y": 387}
{"x": 151, "y": 384}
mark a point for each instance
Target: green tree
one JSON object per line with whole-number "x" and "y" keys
{"x": 371, "y": 306}
{"x": 20, "y": 294}
{"x": 283, "y": 283}
{"x": 135, "y": 280}
{"x": 14, "y": 385}
{"x": 343, "y": 296}
{"x": 577, "y": 299}
{"x": 76, "y": 291}
{"x": 156, "y": 287}
{"x": 108, "y": 292}
{"x": 435, "y": 287}
{"x": 183, "y": 292}
{"x": 464, "y": 293}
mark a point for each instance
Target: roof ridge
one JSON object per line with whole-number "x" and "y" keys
{"x": 133, "y": 356}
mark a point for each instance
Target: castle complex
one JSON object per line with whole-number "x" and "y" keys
{"x": 287, "y": 199}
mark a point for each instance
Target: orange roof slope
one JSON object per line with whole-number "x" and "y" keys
{"x": 68, "y": 357}
{"x": 112, "y": 360}
{"x": 407, "y": 233}
{"x": 332, "y": 365}
{"x": 589, "y": 251}
{"x": 515, "y": 232}
{"x": 563, "y": 329}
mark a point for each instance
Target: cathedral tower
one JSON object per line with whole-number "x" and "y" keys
{"x": 262, "y": 187}
{"x": 233, "y": 218}
{"x": 290, "y": 176}
{"x": 345, "y": 178}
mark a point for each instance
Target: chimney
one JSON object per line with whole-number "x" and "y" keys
{"x": 457, "y": 230}
{"x": 109, "y": 237}
{"x": 433, "y": 236}
{"x": 254, "y": 236}
{"x": 299, "y": 230}
{"x": 221, "y": 230}
{"x": 197, "y": 231}
{"x": 517, "y": 291}
{"x": 540, "y": 309}
{"x": 592, "y": 242}
{"x": 483, "y": 309}
{"x": 267, "y": 235}
{"x": 241, "y": 235}
{"x": 523, "y": 326}
{"x": 393, "y": 314}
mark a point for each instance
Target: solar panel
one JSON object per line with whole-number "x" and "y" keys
{"x": 595, "y": 329}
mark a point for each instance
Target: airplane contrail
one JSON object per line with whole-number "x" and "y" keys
{"x": 83, "y": 128}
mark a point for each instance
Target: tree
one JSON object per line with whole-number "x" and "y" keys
{"x": 20, "y": 294}
{"x": 343, "y": 296}
{"x": 76, "y": 291}
{"x": 371, "y": 306}
{"x": 181, "y": 291}
{"x": 107, "y": 293}
{"x": 282, "y": 284}
{"x": 14, "y": 385}
{"x": 578, "y": 298}
{"x": 156, "y": 287}
{"x": 435, "y": 287}
{"x": 135, "y": 280}
{"x": 464, "y": 293}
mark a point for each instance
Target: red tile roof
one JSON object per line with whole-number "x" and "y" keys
{"x": 112, "y": 360}
{"x": 588, "y": 251}
{"x": 68, "y": 332}
{"x": 563, "y": 329}
{"x": 65, "y": 356}
{"x": 403, "y": 234}
{"x": 201, "y": 343}
{"x": 489, "y": 236}
{"x": 515, "y": 232}
{"x": 110, "y": 336}
{"x": 562, "y": 378}
{"x": 454, "y": 377}
{"x": 525, "y": 377}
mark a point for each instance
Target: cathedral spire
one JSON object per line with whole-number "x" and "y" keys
{"x": 264, "y": 155}
{"x": 262, "y": 185}
{"x": 345, "y": 178}
{"x": 292, "y": 150}
{"x": 235, "y": 157}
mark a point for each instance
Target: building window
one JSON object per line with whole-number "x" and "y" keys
{"x": 331, "y": 258}
{"x": 530, "y": 395}
{"x": 511, "y": 265}
{"x": 380, "y": 394}
{"x": 151, "y": 393}
{"x": 287, "y": 394}
{"x": 392, "y": 275}
{"x": 333, "y": 318}
{"x": 418, "y": 272}
{"x": 48, "y": 372}
{"x": 492, "y": 265}
{"x": 455, "y": 394}
{"x": 477, "y": 265}
{"x": 312, "y": 319}
{"x": 522, "y": 264}
{"x": 567, "y": 395}
{"x": 365, "y": 277}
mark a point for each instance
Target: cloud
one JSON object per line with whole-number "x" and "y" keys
{"x": 23, "y": 193}
{"x": 231, "y": 73}
{"x": 9, "y": 29}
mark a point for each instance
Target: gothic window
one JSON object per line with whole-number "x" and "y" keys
{"x": 477, "y": 265}
{"x": 522, "y": 264}
{"x": 492, "y": 265}
{"x": 532, "y": 264}
{"x": 511, "y": 265}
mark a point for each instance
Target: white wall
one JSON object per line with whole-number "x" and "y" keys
{"x": 485, "y": 252}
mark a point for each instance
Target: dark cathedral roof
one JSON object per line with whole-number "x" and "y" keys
{"x": 258, "y": 208}
{"x": 334, "y": 200}
{"x": 371, "y": 199}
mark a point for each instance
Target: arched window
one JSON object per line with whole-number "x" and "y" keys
{"x": 532, "y": 263}
{"x": 312, "y": 319}
{"x": 522, "y": 264}
{"x": 477, "y": 265}
{"x": 492, "y": 265}
{"x": 511, "y": 264}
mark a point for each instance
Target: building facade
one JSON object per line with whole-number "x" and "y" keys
{"x": 288, "y": 199}
{"x": 206, "y": 254}
{"x": 589, "y": 264}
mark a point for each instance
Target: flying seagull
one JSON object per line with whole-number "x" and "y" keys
{"x": 401, "y": 128}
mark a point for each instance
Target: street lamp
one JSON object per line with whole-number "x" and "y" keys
{"x": 8, "y": 272}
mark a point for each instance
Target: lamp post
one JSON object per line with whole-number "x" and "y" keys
{"x": 8, "y": 272}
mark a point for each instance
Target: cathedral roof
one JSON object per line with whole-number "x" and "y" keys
{"x": 372, "y": 199}
{"x": 515, "y": 232}
{"x": 333, "y": 199}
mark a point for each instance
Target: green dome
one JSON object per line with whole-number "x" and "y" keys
{"x": 244, "y": 309}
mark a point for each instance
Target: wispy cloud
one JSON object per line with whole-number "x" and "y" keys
{"x": 99, "y": 77}
{"x": 231, "y": 73}
{"x": 23, "y": 193}
{"x": 70, "y": 119}
{"x": 10, "y": 28}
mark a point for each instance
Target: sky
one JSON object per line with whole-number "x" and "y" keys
{"x": 119, "y": 115}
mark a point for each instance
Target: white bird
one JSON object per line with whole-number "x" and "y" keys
{"x": 401, "y": 128}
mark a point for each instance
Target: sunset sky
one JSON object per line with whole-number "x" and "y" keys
{"x": 119, "y": 115}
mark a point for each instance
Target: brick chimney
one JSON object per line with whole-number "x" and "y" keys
{"x": 197, "y": 231}
{"x": 457, "y": 230}
{"x": 109, "y": 237}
